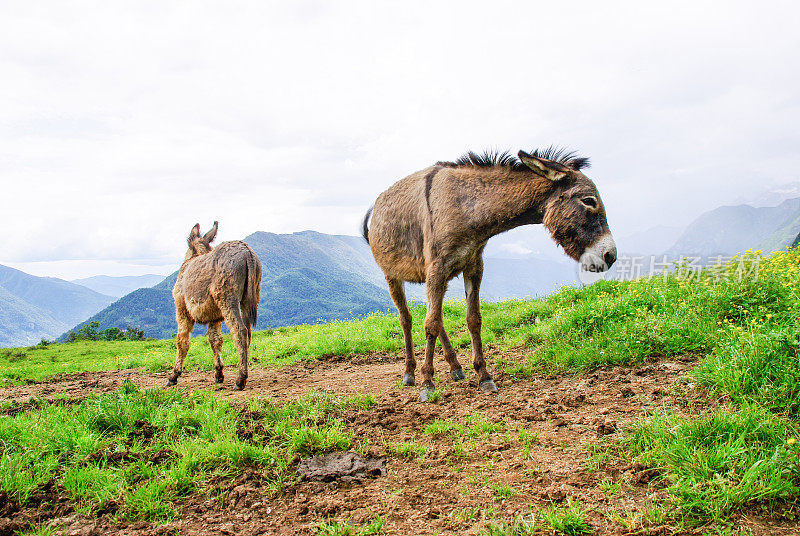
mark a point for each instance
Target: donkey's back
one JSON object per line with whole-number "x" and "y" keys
{"x": 215, "y": 285}
{"x": 210, "y": 283}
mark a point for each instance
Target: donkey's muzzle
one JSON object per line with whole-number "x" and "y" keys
{"x": 600, "y": 255}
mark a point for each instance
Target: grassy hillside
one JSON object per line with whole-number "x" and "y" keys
{"x": 611, "y": 322}
{"x": 741, "y": 321}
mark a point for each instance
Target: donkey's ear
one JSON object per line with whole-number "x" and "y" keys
{"x": 540, "y": 168}
{"x": 211, "y": 234}
{"x": 195, "y": 232}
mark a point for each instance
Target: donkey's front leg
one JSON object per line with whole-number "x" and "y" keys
{"x": 433, "y": 328}
{"x": 472, "y": 284}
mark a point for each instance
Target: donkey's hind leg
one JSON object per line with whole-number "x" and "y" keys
{"x": 240, "y": 332}
{"x": 215, "y": 340}
{"x": 450, "y": 356}
{"x": 182, "y": 341}
{"x": 399, "y": 297}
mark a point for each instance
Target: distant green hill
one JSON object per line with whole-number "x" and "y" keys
{"x": 32, "y": 308}
{"x": 307, "y": 277}
{"x": 734, "y": 229}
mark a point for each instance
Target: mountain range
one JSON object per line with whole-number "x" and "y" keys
{"x": 310, "y": 277}
{"x": 733, "y": 229}
{"x": 32, "y": 308}
{"x": 118, "y": 286}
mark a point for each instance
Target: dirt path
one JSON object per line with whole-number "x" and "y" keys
{"x": 364, "y": 374}
{"x": 539, "y": 453}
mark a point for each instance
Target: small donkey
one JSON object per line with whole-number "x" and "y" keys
{"x": 433, "y": 225}
{"x": 223, "y": 283}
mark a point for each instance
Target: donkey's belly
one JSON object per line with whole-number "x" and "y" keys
{"x": 204, "y": 311}
{"x": 403, "y": 268}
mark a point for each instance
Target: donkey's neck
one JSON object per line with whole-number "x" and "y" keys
{"x": 505, "y": 199}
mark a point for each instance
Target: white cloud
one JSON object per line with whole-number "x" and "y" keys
{"x": 122, "y": 126}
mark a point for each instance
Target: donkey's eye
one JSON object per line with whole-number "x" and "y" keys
{"x": 590, "y": 202}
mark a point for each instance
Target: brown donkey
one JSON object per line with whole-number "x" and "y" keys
{"x": 433, "y": 225}
{"x": 216, "y": 284}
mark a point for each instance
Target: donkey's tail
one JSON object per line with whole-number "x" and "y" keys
{"x": 252, "y": 290}
{"x": 365, "y": 224}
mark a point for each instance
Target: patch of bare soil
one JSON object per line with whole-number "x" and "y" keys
{"x": 349, "y": 466}
{"x": 48, "y": 501}
{"x": 16, "y": 407}
{"x": 363, "y": 374}
{"x": 463, "y": 480}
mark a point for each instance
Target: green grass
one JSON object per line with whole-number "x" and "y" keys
{"x": 502, "y": 490}
{"x": 744, "y": 331}
{"x": 332, "y": 527}
{"x": 756, "y": 366}
{"x": 516, "y": 527}
{"x": 407, "y": 449}
{"x": 336, "y": 528}
{"x": 528, "y": 439}
{"x": 743, "y": 454}
{"x": 568, "y": 519}
{"x": 202, "y": 436}
{"x": 474, "y": 425}
{"x": 42, "y": 529}
{"x": 721, "y": 461}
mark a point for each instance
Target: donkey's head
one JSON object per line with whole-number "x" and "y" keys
{"x": 199, "y": 245}
{"x": 573, "y": 211}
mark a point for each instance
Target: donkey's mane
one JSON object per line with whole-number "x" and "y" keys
{"x": 491, "y": 158}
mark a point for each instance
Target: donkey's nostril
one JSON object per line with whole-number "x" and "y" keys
{"x": 609, "y": 257}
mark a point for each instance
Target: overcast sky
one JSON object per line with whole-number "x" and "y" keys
{"x": 123, "y": 124}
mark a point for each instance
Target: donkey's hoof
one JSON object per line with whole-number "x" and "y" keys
{"x": 488, "y": 386}
{"x": 408, "y": 379}
{"x": 171, "y": 383}
{"x": 239, "y": 385}
{"x": 219, "y": 378}
{"x": 458, "y": 375}
{"x": 425, "y": 394}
